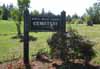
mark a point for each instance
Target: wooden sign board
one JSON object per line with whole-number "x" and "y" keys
{"x": 43, "y": 23}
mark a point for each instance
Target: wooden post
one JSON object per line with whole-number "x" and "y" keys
{"x": 63, "y": 29}
{"x": 63, "y": 21}
{"x": 26, "y": 39}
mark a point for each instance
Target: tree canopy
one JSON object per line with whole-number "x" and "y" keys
{"x": 94, "y": 13}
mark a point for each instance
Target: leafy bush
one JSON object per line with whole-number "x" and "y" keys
{"x": 70, "y": 46}
{"x": 76, "y": 21}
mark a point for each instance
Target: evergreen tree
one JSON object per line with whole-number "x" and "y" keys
{"x": 5, "y": 13}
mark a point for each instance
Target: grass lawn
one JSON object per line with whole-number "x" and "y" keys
{"x": 10, "y": 47}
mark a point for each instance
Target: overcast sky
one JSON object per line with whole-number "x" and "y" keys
{"x": 56, "y": 6}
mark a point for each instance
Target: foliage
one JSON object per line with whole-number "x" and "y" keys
{"x": 71, "y": 45}
{"x": 69, "y": 18}
{"x": 5, "y": 13}
{"x": 43, "y": 11}
{"x": 1, "y": 12}
{"x": 76, "y": 21}
{"x": 14, "y": 14}
{"x": 94, "y": 13}
{"x": 75, "y": 16}
{"x": 10, "y": 10}
{"x": 22, "y": 6}
{"x": 85, "y": 18}
{"x": 35, "y": 12}
{"x": 49, "y": 13}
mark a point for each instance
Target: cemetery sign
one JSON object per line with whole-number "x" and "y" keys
{"x": 40, "y": 23}
{"x": 46, "y": 23}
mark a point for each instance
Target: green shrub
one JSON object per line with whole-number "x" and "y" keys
{"x": 70, "y": 45}
{"x": 76, "y": 21}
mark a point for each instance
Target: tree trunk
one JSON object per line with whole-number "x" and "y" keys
{"x": 18, "y": 25}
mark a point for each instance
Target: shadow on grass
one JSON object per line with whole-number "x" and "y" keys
{"x": 3, "y": 34}
{"x": 31, "y": 38}
{"x": 1, "y": 62}
{"x": 7, "y": 34}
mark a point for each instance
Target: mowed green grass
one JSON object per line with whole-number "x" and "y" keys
{"x": 13, "y": 47}
{"x": 10, "y": 47}
{"x": 7, "y": 44}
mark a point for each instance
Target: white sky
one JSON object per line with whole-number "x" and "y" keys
{"x": 56, "y": 6}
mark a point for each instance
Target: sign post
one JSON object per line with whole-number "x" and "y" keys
{"x": 26, "y": 39}
{"x": 63, "y": 21}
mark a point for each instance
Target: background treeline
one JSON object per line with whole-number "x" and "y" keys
{"x": 8, "y": 12}
{"x": 92, "y": 14}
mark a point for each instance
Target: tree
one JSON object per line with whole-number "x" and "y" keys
{"x": 0, "y": 12}
{"x": 10, "y": 9}
{"x": 94, "y": 13}
{"x": 50, "y": 13}
{"x": 69, "y": 18}
{"x": 14, "y": 14}
{"x": 35, "y": 12}
{"x": 22, "y": 5}
{"x": 5, "y": 13}
{"x": 43, "y": 11}
{"x": 75, "y": 16}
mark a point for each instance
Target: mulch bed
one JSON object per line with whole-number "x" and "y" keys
{"x": 43, "y": 62}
